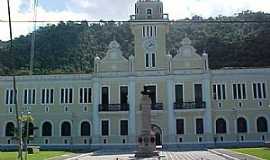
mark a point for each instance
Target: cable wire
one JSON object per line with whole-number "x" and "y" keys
{"x": 32, "y": 54}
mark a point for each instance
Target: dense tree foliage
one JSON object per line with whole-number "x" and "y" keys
{"x": 71, "y": 47}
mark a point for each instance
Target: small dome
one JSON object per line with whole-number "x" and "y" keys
{"x": 114, "y": 44}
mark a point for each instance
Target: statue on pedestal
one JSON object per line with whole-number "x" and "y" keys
{"x": 147, "y": 139}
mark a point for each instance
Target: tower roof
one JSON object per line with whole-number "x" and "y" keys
{"x": 149, "y": 10}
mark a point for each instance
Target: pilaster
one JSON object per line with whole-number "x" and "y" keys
{"x": 132, "y": 111}
{"x": 171, "y": 113}
{"x": 95, "y": 113}
{"x": 208, "y": 129}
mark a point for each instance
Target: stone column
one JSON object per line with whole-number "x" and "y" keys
{"x": 95, "y": 113}
{"x": 171, "y": 114}
{"x": 132, "y": 111}
{"x": 208, "y": 125}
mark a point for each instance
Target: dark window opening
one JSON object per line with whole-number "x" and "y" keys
{"x": 105, "y": 96}
{"x": 242, "y": 138}
{"x": 62, "y": 95}
{"x": 254, "y": 90}
{"x": 214, "y": 92}
{"x": 81, "y": 97}
{"x": 124, "y": 127}
{"x": 241, "y": 125}
{"x": 46, "y": 129}
{"x": 153, "y": 60}
{"x": 219, "y": 92}
{"x": 224, "y": 91}
{"x": 123, "y": 95}
{"x": 234, "y": 91}
{"x": 180, "y": 126}
{"x": 149, "y": 11}
{"x": 147, "y": 60}
{"x": 221, "y": 126}
{"x": 198, "y": 93}
{"x": 239, "y": 91}
{"x": 199, "y": 126}
{"x": 65, "y": 129}
{"x": 264, "y": 90}
{"x": 262, "y": 125}
{"x": 10, "y": 129}
{"x": 179, "y": 96}
{"x": 105, "y": 128}
{"x": 85, "y": 129}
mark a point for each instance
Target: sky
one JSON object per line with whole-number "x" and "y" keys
{"x": 114, "y": 10}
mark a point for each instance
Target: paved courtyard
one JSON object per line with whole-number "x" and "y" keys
{"x": 167, "y": 155}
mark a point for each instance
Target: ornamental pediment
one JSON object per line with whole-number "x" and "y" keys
{"x": 114, "y": 54}
{"x": 187, "y": 51}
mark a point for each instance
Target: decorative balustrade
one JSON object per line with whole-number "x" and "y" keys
{"x": 113, "y": 107}
{"x": 189, "y": 105}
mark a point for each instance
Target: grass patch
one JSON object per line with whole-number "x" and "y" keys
{"x": 263, "y": 153}
{"x": 42, "y": 155}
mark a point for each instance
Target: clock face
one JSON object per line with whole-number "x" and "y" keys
{"x": 149, "y": 45}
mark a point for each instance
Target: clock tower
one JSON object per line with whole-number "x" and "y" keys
{"x": 150, "y": 26}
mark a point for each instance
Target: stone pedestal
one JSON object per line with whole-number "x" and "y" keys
{"x": 146, "y": 140}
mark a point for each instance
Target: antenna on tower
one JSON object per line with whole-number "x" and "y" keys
{"x": 32, "y": 52}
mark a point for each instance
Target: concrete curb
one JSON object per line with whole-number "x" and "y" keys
{"x": 223, "y": 155}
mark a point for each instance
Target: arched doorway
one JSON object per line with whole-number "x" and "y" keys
{"x": 158, "y": 133}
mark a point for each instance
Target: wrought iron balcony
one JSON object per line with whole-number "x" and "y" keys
{"x": 113, "y": 107}
{"x": 157, "y": 107}
{"x": 189, "y": 105}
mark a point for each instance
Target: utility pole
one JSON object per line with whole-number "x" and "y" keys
{"x": 32, "y": 54}
{"x": 15, "y": 88}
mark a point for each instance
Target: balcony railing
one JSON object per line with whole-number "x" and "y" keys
{"x": 113, "y": 107}
{"x": 157, "y": 107}
{"x": 189, "y": 105}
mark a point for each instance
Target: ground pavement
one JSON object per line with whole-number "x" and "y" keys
{"x": 166, "y": 155}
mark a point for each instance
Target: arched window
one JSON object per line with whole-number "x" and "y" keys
{"x": 31, "y": 129}
{"x": 241, "y": 125}
{"x": 65, "y": 129}
{"x": 149, "y": 11}
{"x": 221, "y": 127}
{"x": 47, "y": 129}
{"x": 10, "y": 128}
{"x": 262, "y": 125}
{"x": 85, "y": 129}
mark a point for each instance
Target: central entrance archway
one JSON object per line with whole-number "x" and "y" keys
{"x": 158, "y": 134}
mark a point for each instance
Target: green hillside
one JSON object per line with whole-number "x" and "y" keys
{"x": 71, "y": 47}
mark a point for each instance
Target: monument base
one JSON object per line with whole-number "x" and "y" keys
{"x": 146, "y": 155}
